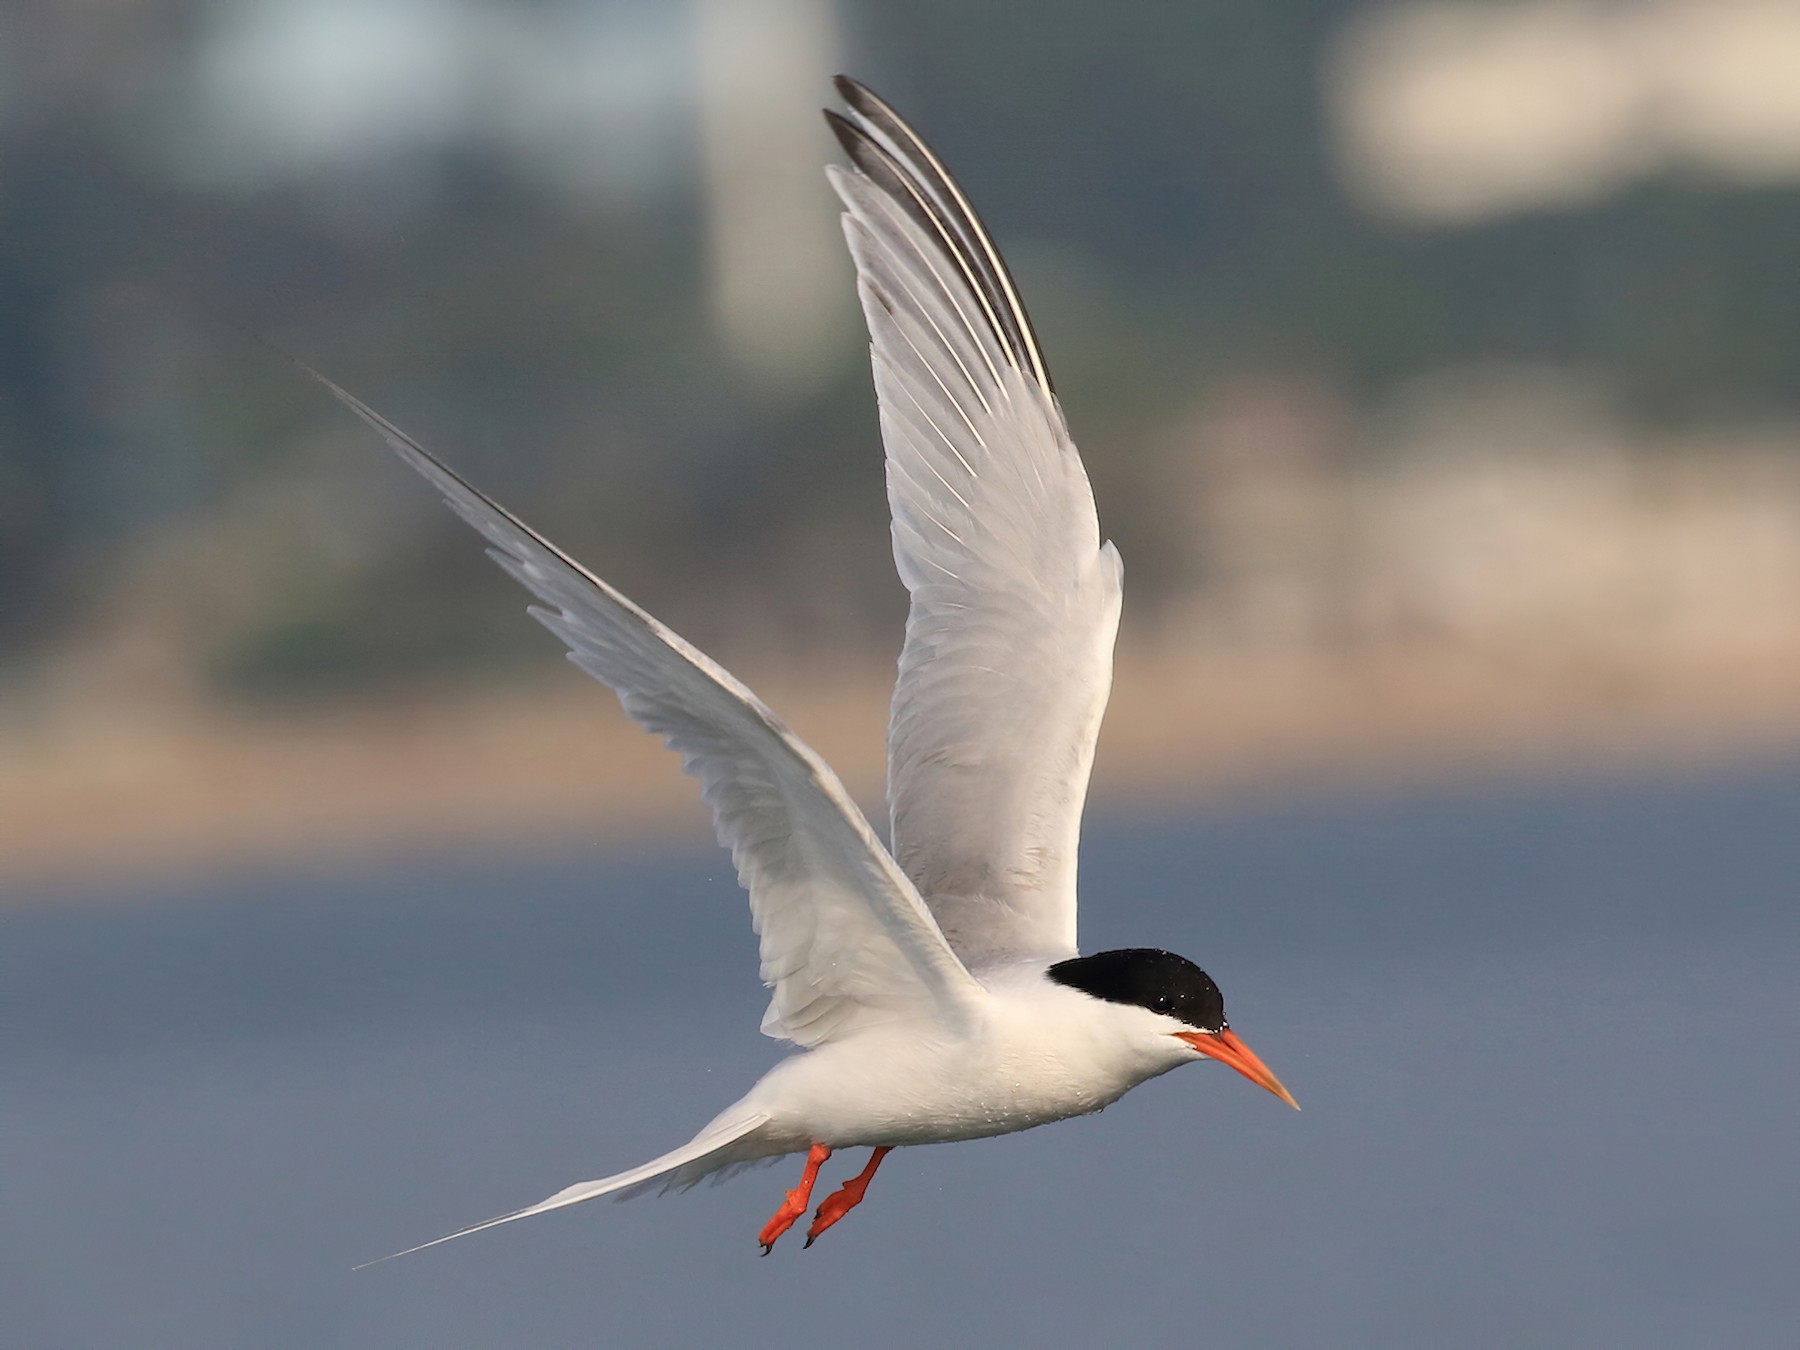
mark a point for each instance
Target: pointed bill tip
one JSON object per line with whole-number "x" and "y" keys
{"x": 1225, "y": 1047}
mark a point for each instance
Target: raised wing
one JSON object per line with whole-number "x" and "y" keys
{"x": 845, "y": 940}
{"x": 1015, "y": 601}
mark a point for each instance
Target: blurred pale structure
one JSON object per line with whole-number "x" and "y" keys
{"x": 1506, "y": 511}
{"x": 1458, "y": 111}
{"x": 590, "y": 96}
{"x": 777, "y": 279}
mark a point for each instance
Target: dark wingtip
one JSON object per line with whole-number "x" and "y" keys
{"x": 868, "y": 104}
{"x": 850, "y": 89}
{"x": 849, "y": 135}
{"x": 923, "y": 188}
{"x": 873, "y": 161}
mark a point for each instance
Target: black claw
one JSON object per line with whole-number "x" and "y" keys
{"x": 809, "y": 1241}
{"x": 767, "y": 1247}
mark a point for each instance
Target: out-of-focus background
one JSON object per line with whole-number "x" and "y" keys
{"x": 1437, "y": 365}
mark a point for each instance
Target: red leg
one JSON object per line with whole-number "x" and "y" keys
{"x": 797, "y": 1199}
{"x": 846, "y": 1197}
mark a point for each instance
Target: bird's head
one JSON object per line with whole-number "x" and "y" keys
{"x": 1180, "y": 998}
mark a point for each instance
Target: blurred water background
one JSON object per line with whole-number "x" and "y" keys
{"x": 1438, "y": 369}
{"x": 1543, "y": 1037}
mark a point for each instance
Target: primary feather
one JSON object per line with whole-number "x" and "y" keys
{"x": 1015, "y": 601}
{"x": 845, "y": 941}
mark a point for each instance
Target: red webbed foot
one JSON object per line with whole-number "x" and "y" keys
{"x": 845, "y": 1198}
{"x": 797, "y": 1199}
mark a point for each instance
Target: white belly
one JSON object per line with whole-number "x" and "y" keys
{"x": 1036, "y": 1060}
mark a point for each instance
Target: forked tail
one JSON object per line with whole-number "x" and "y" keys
{"x": 718, "y": 1147}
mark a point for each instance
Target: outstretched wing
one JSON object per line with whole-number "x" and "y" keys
{"x": 1015, "y": 600}
{"x": 845, "y": 940}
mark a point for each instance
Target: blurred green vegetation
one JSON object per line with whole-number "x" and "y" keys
{"x": 1159, "y": 173}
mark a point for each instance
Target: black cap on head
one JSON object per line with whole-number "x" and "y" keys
{"x": 1160, "y": 981}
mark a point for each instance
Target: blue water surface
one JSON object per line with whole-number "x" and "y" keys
{"x": 1547, "y": 1037}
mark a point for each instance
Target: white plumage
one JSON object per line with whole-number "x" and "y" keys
{"x": 935, "y": 993}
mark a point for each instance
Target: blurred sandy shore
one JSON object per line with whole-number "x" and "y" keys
{"x": 93, "y": 796}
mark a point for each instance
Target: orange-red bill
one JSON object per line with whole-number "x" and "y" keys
{"x": 1225, "y": 1047}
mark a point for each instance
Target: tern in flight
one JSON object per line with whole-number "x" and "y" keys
{"x": 934, "y": 992}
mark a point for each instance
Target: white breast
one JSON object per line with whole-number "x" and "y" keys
{"x": 1043, "y": 1053}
